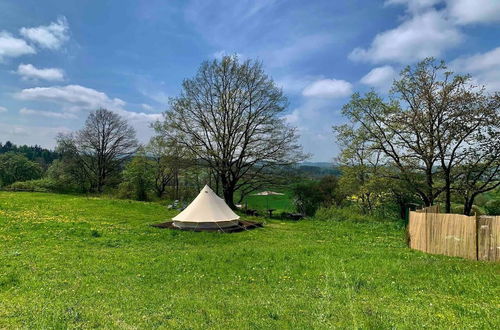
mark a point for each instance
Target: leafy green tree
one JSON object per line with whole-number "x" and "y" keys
{"x": 16, "y": 167}
{"x": 428, "y": 127}
{"x": 307, "y": 197}
{"x": 331, "y": 192}
{"x": 139, "y": 176}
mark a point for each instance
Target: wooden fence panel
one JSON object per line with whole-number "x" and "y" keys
{"x": 455, "y": 235}
{"x": 488, "y": 238}
{"x": 417, "y": 230}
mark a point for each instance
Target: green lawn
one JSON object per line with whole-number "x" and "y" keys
{"x": 69, "y": 261}
{"x": 277, "y": 202}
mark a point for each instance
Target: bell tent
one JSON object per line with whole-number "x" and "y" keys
{"x": 206, "y": 211}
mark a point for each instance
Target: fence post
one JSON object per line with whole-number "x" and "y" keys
{"x": 477, "y": 235}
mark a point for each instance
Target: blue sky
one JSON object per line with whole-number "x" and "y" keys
{"x": 61, "y": 59}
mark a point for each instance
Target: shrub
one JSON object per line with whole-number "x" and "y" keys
{"x": 307, "y": 197}
{"x": 40, "y": 185}
{"x": 344, "y": 214}
{"x": 459, "y": 209}
{"x": 138, "y": 177}
{"x": 126, "y": 190}
{"x": 493, "y": 207}
{"x": 16, "y": 167}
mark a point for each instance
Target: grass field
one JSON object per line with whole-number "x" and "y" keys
{"x": 277, "y": 202}
{"x": 68, "y": 261}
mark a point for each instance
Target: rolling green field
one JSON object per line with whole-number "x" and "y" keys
{"x": 68, "y": 261}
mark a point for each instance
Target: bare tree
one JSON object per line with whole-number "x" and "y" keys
{"x": 230, "y": 116}
{"x": 102, "y": 145}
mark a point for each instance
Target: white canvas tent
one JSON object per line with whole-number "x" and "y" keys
{"x": 207, "y": 211}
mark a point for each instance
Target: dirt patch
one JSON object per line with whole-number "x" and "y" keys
{"x": 242, "y": 226}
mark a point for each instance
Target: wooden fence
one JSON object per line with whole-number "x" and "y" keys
{"x": 472, "y": 237}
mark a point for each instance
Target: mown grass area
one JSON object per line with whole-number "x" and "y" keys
{"x": 280, "y": 203}
{"x": 68, "y": 261}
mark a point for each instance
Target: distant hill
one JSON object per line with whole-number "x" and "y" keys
{"x": 318, "y": 164}
{"x": 317, "y": 169}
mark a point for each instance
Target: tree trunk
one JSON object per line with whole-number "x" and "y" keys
{"x": 468, "y": 203}
{"x": 228, "y": 197}
{"x": 447, "y": 204}
{"x": 228, "y": 191}
{"x": 430, "y": 185}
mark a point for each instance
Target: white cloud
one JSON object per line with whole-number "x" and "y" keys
{"x": 50, "y": 36}
{"x": 13, "y": 47}
{"x": 74, "y": 98}
{"x": 3, "y": 109}
{"x": 328, "y": 88}
{"x": 295, "y": 84}
{"x": 483, "y": 67}
{"x": 48, "y": 114}
{"x": 28, "y": 71}
{"x": 414, "y": 5}
{"x": 474, "y": 11}
{"x": 423, "y": 35}
{"x": 381, "y": 77}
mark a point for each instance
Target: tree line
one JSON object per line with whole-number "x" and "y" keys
{"x": 434, "y": 138}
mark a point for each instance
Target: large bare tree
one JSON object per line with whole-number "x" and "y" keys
{"x": 102, "y": 146}
{"x": 230, "y": 117}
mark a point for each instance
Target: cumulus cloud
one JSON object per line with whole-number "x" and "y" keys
{"x": 13, "y": 47}
{"x": 51, "y": 36}
{"x": 29, "y": 71}
{"x": 380, "y": 78}
{"x": 328, "y": 88}
{"x": 75, "y": 98}
{"x": 474, "y": 11}
{"x": 72, "y": 97}
{"x": 48, "y": 114}
{"x": 295, "y": 84}
{"x": 484, "y": 68}
{"x": 3, "y": 109}
{"x": 423, "y": 35}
